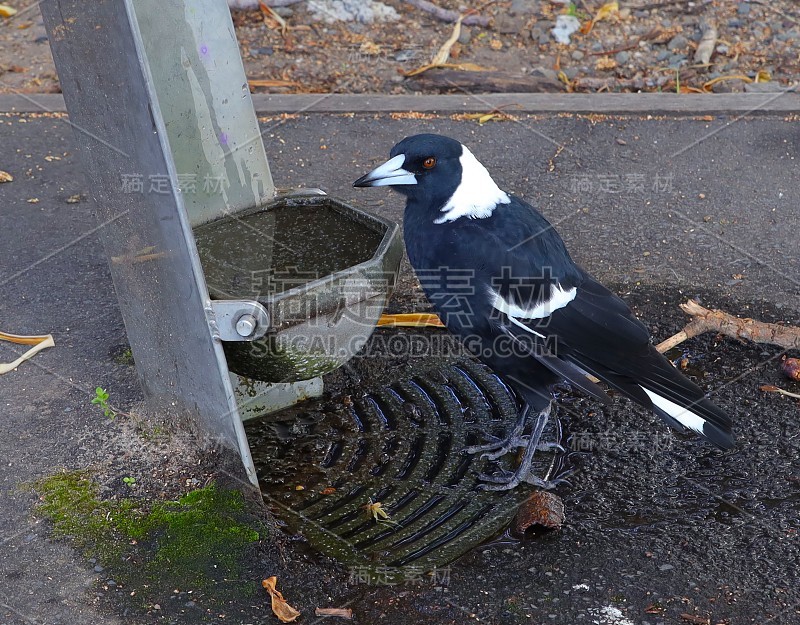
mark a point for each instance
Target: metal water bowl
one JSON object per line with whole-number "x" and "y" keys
{"x": 323, "y": 269}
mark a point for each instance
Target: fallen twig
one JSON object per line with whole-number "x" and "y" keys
{"x": 449, "y": 16}
{"x": 707, "y": 320}
{"x": 769, "y": 388}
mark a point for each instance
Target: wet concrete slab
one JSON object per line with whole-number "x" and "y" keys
{"x": 661, "y": 210}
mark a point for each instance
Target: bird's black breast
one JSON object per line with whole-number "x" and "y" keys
{"x": 458, "y": 263}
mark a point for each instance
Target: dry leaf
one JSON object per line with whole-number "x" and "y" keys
{"x": 340, "y": 612}
{"x": 7, "y": 11}
{"x": 39, "y": 342}
{"x": 270, "y": 15}
{"x": 5, "y": 176}
{"x": 441, "y": 57}
{"x": 605, "y": 63}
{"x": 707, "y": 85}
{"x": 791, "y": 368}
{"x": 444, "y": 52}
{"x": 370, "y": 48}
{"x": 603, "y": 12}
{"x": 284, "y": 612}
{"x": 706, "y": 46}
{"x": 410, "y": 320}
{"x": 763, "y": 76}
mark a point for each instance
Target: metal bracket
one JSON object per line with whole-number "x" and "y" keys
{"x": 238, "y": 320}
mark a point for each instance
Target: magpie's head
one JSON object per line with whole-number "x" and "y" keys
{"x": 420, "y": 166}
{"x": 437, "y": 174}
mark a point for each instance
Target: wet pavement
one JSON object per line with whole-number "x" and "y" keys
{"x": 657, "y": 525}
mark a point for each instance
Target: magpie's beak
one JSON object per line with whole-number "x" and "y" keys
{"x": 390, "y": 173}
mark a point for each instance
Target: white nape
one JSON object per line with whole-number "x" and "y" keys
{"x": 682, "y": 415}
{"x": 476, "y": 196}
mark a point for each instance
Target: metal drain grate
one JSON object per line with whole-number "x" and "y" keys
{"x": 401, "y": 446}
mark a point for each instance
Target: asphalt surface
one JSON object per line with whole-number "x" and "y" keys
{"x": 660, "y": 209}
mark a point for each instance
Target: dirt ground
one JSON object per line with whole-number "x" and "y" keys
{"x": 642, "y": 46}
{"x": 651, "y": 533}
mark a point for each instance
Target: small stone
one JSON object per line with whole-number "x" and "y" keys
{"x": 521, "y": 7}
{"x": 190, "y": 604}
{"x": 665, "y": 567}
{"x": 676, "y": 60}
{"x": 728, "y": 86}
{"x": 571, "y": 72}
{"x": 466, "y": 35}
{"x": 577, "y": 55}
{"x": 678, "y": 42}
{"x": 734, "y": 23}
{"x": 98, "y": 569}
{"x": 265, "y": 51}
{"x": 111, "y": 583}
{"x": 284, "y": 11}
{"x": 507, "y": 25}
{"x": 622, "y": 57}
{"x": 663, "y": 55}
{"x": 544, "y": 72}
{"x": 641, "y": 13}
{"x": 743, "y": 8}
{"x": 722, "y": 49}
{"x": 597, "y": 47}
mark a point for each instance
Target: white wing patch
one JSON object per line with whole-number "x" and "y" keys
{"x": 559, "y": 297}
{"x": 682, "y": 415}
{"x": 477, "y": 196}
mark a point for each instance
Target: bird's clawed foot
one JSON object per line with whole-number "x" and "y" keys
{"x": 499, "y": 447}
{"x": 523, "y": 473}
{"x": 512, "y": 479}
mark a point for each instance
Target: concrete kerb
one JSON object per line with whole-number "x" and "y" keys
{"x": 657, "y": 104}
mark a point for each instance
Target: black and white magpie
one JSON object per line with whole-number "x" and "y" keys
{"x": 501, "y": 278}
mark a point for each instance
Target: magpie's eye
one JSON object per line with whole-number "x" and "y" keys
{"x": 429, "y": 162}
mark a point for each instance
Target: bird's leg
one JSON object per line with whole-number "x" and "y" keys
{"x": 501, "y": 446}
{"x": 523, "y": 472}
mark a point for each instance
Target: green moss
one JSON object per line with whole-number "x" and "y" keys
{"x": 197, "y": 535}
{"x": 198, "y": 540}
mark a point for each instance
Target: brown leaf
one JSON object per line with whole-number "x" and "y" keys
{"x": 791, "y": 368}
{"x": 284, "y": 612}
{"x": 541, "y": 508}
